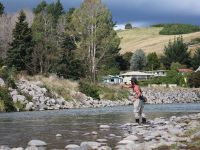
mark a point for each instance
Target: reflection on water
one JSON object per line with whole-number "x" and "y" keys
{"x": 16, "y": 129}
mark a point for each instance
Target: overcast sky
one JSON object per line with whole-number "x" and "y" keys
{"x": 138, "y": 12}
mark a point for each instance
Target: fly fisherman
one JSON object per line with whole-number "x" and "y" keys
{"x": 138, "y": 102}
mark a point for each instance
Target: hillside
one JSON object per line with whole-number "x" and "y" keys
{"x": 149, "y": 40}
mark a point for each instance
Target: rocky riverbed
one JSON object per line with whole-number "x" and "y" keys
{"x": 164, "y": 95}
{"x": 160, "y": 133}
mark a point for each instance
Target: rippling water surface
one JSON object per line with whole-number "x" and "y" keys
{"x": 16, "y": 129}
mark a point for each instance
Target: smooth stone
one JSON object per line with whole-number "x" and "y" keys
{"x": 104, "y": 148}
{"x": 112, "y": 135}
{"x": 102, "y": 140}
{"x": 125, "y": 142}
{"x": 19, "y": 148}
{"x": 131, "y": 138}
{"x": 37, "y": 143}
{"x": 58, "y": 135}
{"x": 32, "y": 148}
{"x": 90, "y": 145}
{"x": 72, "y": 146}
{"x": 104, "y": 127}
{"x": 86, "y": 134}
{"x": 4, "y": 147}
{"x": 94, "y": 133}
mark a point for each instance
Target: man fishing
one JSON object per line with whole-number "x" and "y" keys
{"x": 138, "y": 102}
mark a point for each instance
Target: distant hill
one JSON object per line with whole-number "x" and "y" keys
{"x": 150, "y": 40}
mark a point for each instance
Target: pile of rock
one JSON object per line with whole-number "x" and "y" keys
{"x": 159, "y": 132}
{"x": 174, "y": 95}
{"x": 39, "y": 98}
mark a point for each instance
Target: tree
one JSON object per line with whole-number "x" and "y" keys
{"x": 56, "y": 10}
{"x": 123, "y": 61}
{"x": 196, "y": 59}
{"x": 7, "y": 24}
{"x": 138, "y": 60}
{"x": 99, "y": 42}
{"x": 42, "y": 6}
{"x": 177, "y": 65}
{"x": 45, "y": 50}
{"x": 68, "y": 66}
{"x": 128, "y": 26}
{"x": 176, "y": 51}
{"x": 1, "y": 9}
{"x": 20, "y": 53}
{"x": 153, "y": 61}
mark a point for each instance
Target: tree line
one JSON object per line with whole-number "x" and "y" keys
{"x": 175, "y": 53}
{"x": 75, "y": 44}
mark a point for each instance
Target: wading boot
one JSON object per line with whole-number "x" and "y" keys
{"x": 137, "y": 121}
{"x": 144, "y": 121}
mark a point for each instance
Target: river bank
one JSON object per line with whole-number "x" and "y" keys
{"x": 33, "y": 95}
{"x": 175, "y": 132}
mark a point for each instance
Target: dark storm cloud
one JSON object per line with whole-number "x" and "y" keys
{"x": 140, "y": 12}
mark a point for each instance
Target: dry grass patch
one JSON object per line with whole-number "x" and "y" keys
{"x": 149, "y": 40}
{"x": 63, "y": 87}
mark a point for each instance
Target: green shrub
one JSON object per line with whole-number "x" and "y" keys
{"x": 174, "y": 29}
{"x": 173, "y": 77}
{"x": 89, "y": 89}
{"x": 6, "y": 100}
{"x": 8, "y": 75}
{"x": 19, "y": 106}
{"x": 194, "y": 80}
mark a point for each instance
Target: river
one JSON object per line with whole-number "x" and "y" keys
{"x": 17, "y": 129}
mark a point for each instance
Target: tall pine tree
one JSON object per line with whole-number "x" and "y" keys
{"x": 20, "y": 53}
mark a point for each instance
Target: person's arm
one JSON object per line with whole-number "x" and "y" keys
{"x": 126, "y": 86}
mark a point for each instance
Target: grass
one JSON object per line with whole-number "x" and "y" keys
{"x": 150, "y": 40}
{"x": 62, "y": 87}
{"x": 2, "y": 106}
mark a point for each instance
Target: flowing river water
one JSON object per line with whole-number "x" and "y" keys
{"x": 17, "y": 129}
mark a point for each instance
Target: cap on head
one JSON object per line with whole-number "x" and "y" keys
{"x": 133, "y": 80}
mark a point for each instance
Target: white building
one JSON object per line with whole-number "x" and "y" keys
{"x": 158, "y": 73}
{"x": 136, "y": 74}
{"x": 112, "y": 79}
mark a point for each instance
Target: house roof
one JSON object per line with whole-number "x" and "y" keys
{"x": 198, "y": 69}
{"x": 185, "y": 70}
{"x": 111, "y": 76}
{"x": 132, "y": 73}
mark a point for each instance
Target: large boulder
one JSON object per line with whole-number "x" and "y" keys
{"x": 40, "y": 145}
{"x": 29, "y": 106}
